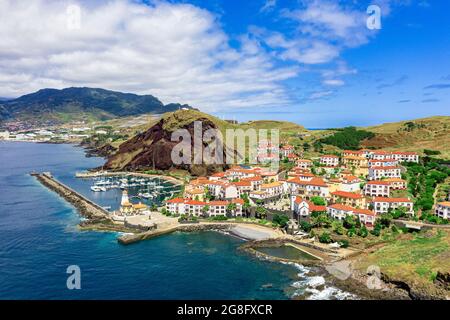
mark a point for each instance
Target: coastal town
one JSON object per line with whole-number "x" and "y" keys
{"x": 363, "y": 183}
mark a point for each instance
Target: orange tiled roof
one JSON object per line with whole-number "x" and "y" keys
{"x": 346, "y": 194}
{"x": 379, "y": 182}
{"x": 343, "y": 207}
{"x": 383, "y": 199}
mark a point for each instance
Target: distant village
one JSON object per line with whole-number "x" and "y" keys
{"x": 72, "y": 133}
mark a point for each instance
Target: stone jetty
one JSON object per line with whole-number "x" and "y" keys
{"x": 86, "y": 207}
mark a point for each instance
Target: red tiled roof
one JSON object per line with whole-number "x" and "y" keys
{"x": 195, "y": 202}
{"x": 218, "y": 174}
{"x": 343, "y": 207}
{"x": 364, "y": 211}
{"x": 242, "y": 184}
{"x": 383, "y": 199}
{"x": 407, "y": 153}
{"x": 311, "y": 205}
{"x": 385, "y": 168}
{"x": 255, "y": 178}
{"x": 175, "y": 200}
{"x": 238, "y": 200}
{"x": 379, "y": 182}
{"x": 346, "y": 194}
{"x": 329, "y": 156}
{"x": 218, "y": 203}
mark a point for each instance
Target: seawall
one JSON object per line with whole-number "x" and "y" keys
{"x": 85, "y": 207}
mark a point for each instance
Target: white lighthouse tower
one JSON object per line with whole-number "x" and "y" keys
{"x": 125, "y": 199}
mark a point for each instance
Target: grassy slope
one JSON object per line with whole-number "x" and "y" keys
{"x": 433, "y": 133}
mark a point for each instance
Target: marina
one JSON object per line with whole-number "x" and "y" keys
{"x": 147, "y": 189}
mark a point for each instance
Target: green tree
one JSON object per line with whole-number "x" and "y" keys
{"x": 318, "y": 201}
{"x": 281, "y": 220}
{"x": 325, "y": 238}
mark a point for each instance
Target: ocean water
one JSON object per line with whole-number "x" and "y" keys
{"x": 39, "y": 240}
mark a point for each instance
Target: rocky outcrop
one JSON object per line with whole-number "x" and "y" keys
{"x": 151, "y": 150}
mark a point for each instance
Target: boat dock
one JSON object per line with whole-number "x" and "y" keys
{"x": 85, "y": 206}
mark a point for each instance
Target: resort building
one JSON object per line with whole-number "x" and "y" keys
{"x": 286, "y": 150}
{"x": 442, "y": 210}
{"x": 329, "y": 160}
{"x": 176, "y": 206}
{"x": 201, "y": 208}
{"x": 272, "y": 189}
{"x": 354, "y": 161}
{"x": 377, "y": 173}
{"x": 239, "y": 173}
{"x": 309, "y": 188}
{"x": 383, "y": 163}
{"x": 303, "y": 208}
{"x": 243, "y": 187}
{"x": 353, "y": 153}
{"x": 340, "y": 211}
{"x": 396, "y": 183}
{"x": 194, "y": 193}
{"x": 377, "y": 188}
{"x": 228, "y": 191}
{"x": 406, "y": 156}
{"x": 255, "y": 182}
{"x": 383, "y": 205}
{"x": 348, "y": 198}
{"x": 350, "y": 183}
{"x": 381, "y": 155}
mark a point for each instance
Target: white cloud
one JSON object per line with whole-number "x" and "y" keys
{"x": 320, "y": 94}
{"x": 268, "y": 6}
{"x": 176, "y": 52}
{"x": 334, "y": 82}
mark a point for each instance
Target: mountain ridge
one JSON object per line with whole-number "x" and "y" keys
{"x": 67, "y": 104}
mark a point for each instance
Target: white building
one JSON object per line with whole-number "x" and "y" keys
{"x": 304, "y": 163}
{"x": 329, "y": 160}
{"x": 377, "y": 173}
{"x": 442, "y": 210}
{"x": 383, "y": 204}
{"x": 406, "y": 156}
{"x": 340, "y": 211}
{"x": 303, "y": 208}
{"x": 350, "y": 184}
{"x": 377, "y": 188}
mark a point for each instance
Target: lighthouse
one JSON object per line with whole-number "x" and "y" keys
{"x": 125, "y": 199}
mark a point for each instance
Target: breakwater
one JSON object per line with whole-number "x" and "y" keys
{"x": 132, "y": 238}
{"x": 85, "y": 207}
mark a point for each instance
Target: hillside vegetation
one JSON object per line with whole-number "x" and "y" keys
{"x": 414, "y": 135}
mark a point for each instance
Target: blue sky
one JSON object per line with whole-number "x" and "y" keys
{"x": 402, "y": 72}
{"x": 313, "y": 62}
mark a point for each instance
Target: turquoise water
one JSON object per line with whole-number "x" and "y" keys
{"x": 39, "y": 240}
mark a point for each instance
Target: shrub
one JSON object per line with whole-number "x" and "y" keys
{"x": 325, "y": 238}
{"x": 305, "y": 226}
{"x": 281, "y": 220}
{"x": 363, "y": 232}
{"x": 219, "y": 218}
{"x": 344, "y": 243}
